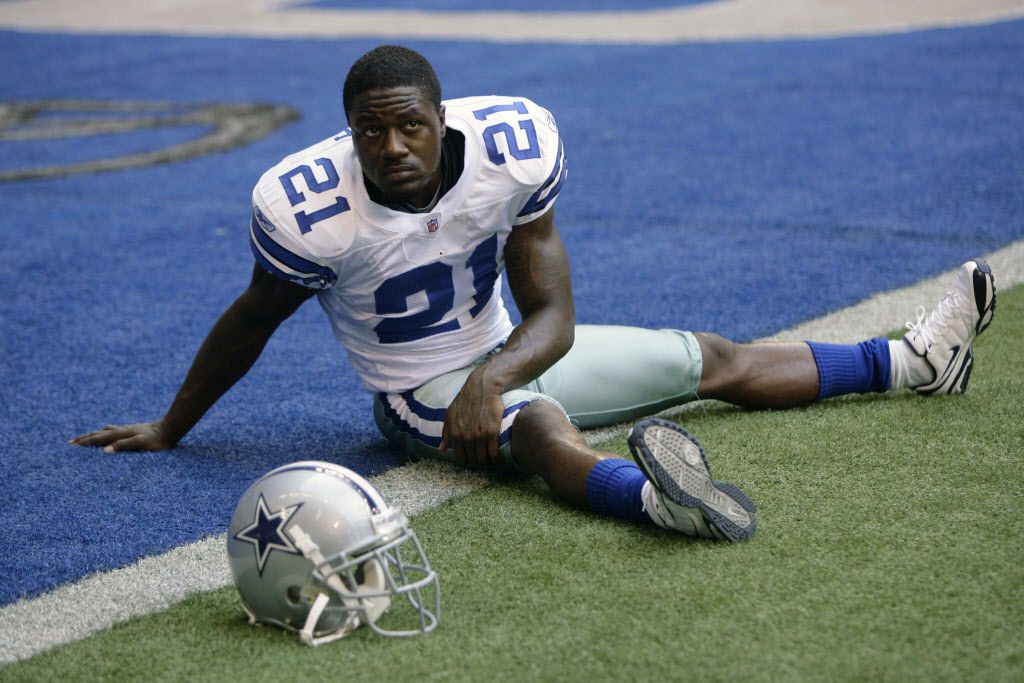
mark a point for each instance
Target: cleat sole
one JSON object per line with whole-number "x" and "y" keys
{"x": 677, "y": 467}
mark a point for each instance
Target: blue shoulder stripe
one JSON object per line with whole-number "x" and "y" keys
{"x": 304, "y": 267}
{"x": 542, "y": 204}
{"x": 535, "y": 203}
{"x": 313, "y": 281}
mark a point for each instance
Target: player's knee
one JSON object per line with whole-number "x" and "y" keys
{"x": 541, "y": 421}
{"x": 541, "y": 428}
{"x": 723, "y": 360}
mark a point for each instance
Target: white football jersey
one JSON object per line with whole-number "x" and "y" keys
{"x": 411, "y": 295}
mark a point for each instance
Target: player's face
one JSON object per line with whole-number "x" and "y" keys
{"x": 397, "y": 134}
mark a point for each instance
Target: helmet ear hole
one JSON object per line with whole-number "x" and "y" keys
{"x": 360, "y": 574}
{"x": 293, "y": 595}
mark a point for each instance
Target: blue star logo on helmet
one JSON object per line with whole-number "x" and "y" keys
{"x": 266, "y": 533}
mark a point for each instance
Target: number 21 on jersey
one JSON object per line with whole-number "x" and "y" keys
{"x": 437, "y": 280}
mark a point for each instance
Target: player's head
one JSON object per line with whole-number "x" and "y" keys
{"x": 391, "y": 66}
{"x": 393, "y": 103}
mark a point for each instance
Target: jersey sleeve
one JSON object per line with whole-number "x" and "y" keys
{"x": 279, "y": 249}
{"x": 543, "y": 195}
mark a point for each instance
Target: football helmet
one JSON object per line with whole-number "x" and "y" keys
{"x": 316, "y": 550}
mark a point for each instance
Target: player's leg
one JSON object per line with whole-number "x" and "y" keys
{"x": 670, "y": 484}
{"x": 537, "y": 437}
{"x": 935, "y": 356}
{"x": 769, "y": 375}
{"x": 617, "y": 374}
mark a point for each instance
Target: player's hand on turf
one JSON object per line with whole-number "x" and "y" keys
{"x": 145, "y": 436}
{"x": 472, "y": 424}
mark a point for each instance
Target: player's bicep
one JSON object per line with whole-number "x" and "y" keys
{"x": 537, "y": 266}
{"x": 270, "y": 300}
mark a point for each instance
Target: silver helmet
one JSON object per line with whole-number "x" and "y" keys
{"x": 315, "y": 549}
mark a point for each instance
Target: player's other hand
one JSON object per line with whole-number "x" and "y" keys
{"x": 472, "y": 424}
{"x": 145, "y": 436}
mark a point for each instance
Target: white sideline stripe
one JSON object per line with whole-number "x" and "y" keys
{"x": 75, "y": 611}
{"x": 723, "y": 20}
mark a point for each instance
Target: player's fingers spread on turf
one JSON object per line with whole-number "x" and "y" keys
{"x": 98, "y": 438}
{"x": 131, "y": 443}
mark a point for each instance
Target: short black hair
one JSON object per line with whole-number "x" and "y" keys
{"x": 391, "y": 66}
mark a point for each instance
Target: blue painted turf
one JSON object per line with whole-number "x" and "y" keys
{"x": 735, "y": 187}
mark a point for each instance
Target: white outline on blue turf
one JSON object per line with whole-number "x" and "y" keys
{"x": 75, "y": 611}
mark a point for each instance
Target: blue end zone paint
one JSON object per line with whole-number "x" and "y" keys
{"x": 504, "y": 6}
{"x": 736, "y": 187}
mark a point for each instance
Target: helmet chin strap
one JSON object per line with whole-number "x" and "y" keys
{"x": 351, "y": 624}
{"x": 373, "y": 607}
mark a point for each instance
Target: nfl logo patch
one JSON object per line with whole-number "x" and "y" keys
{"x": 432, "y": 224}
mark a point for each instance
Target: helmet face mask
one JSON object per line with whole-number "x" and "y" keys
{"x": 315, "y": 549}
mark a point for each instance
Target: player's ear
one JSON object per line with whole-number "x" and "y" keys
{"x": 440, "y": 117}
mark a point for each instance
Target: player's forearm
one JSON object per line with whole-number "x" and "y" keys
{"x": 226, "y": 355}
{"x": 536, "y": 344}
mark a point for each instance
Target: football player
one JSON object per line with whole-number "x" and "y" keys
{"x": 402, "y": 225}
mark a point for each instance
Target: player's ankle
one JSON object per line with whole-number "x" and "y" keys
{"x": 908, "y": 369}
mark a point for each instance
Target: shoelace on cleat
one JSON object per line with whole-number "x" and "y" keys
{"x": 929, "y": 326}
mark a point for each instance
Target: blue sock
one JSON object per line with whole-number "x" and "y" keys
{"x": 613, "y": 488}
{"x": 852, "y": 368}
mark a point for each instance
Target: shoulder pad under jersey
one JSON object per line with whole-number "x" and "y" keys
{"x": 301, "y": 221}
{"x": 521, "y": 141}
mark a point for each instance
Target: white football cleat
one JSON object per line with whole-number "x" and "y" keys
{"x": 680, "y": 493}
{"x": 944, "y": 338}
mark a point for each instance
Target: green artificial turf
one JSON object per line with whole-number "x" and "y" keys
{"x": 890, "y": 547}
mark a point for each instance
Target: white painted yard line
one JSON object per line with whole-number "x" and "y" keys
{"x": 888, "y": 311}
{"x": 717, "y": 21}
{"x": 78, "y": 610}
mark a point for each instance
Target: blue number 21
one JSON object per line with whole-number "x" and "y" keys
{"x": 436, "y": 280}
{"x": 491, "y": 134}
{"x": 306, "y": 220}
